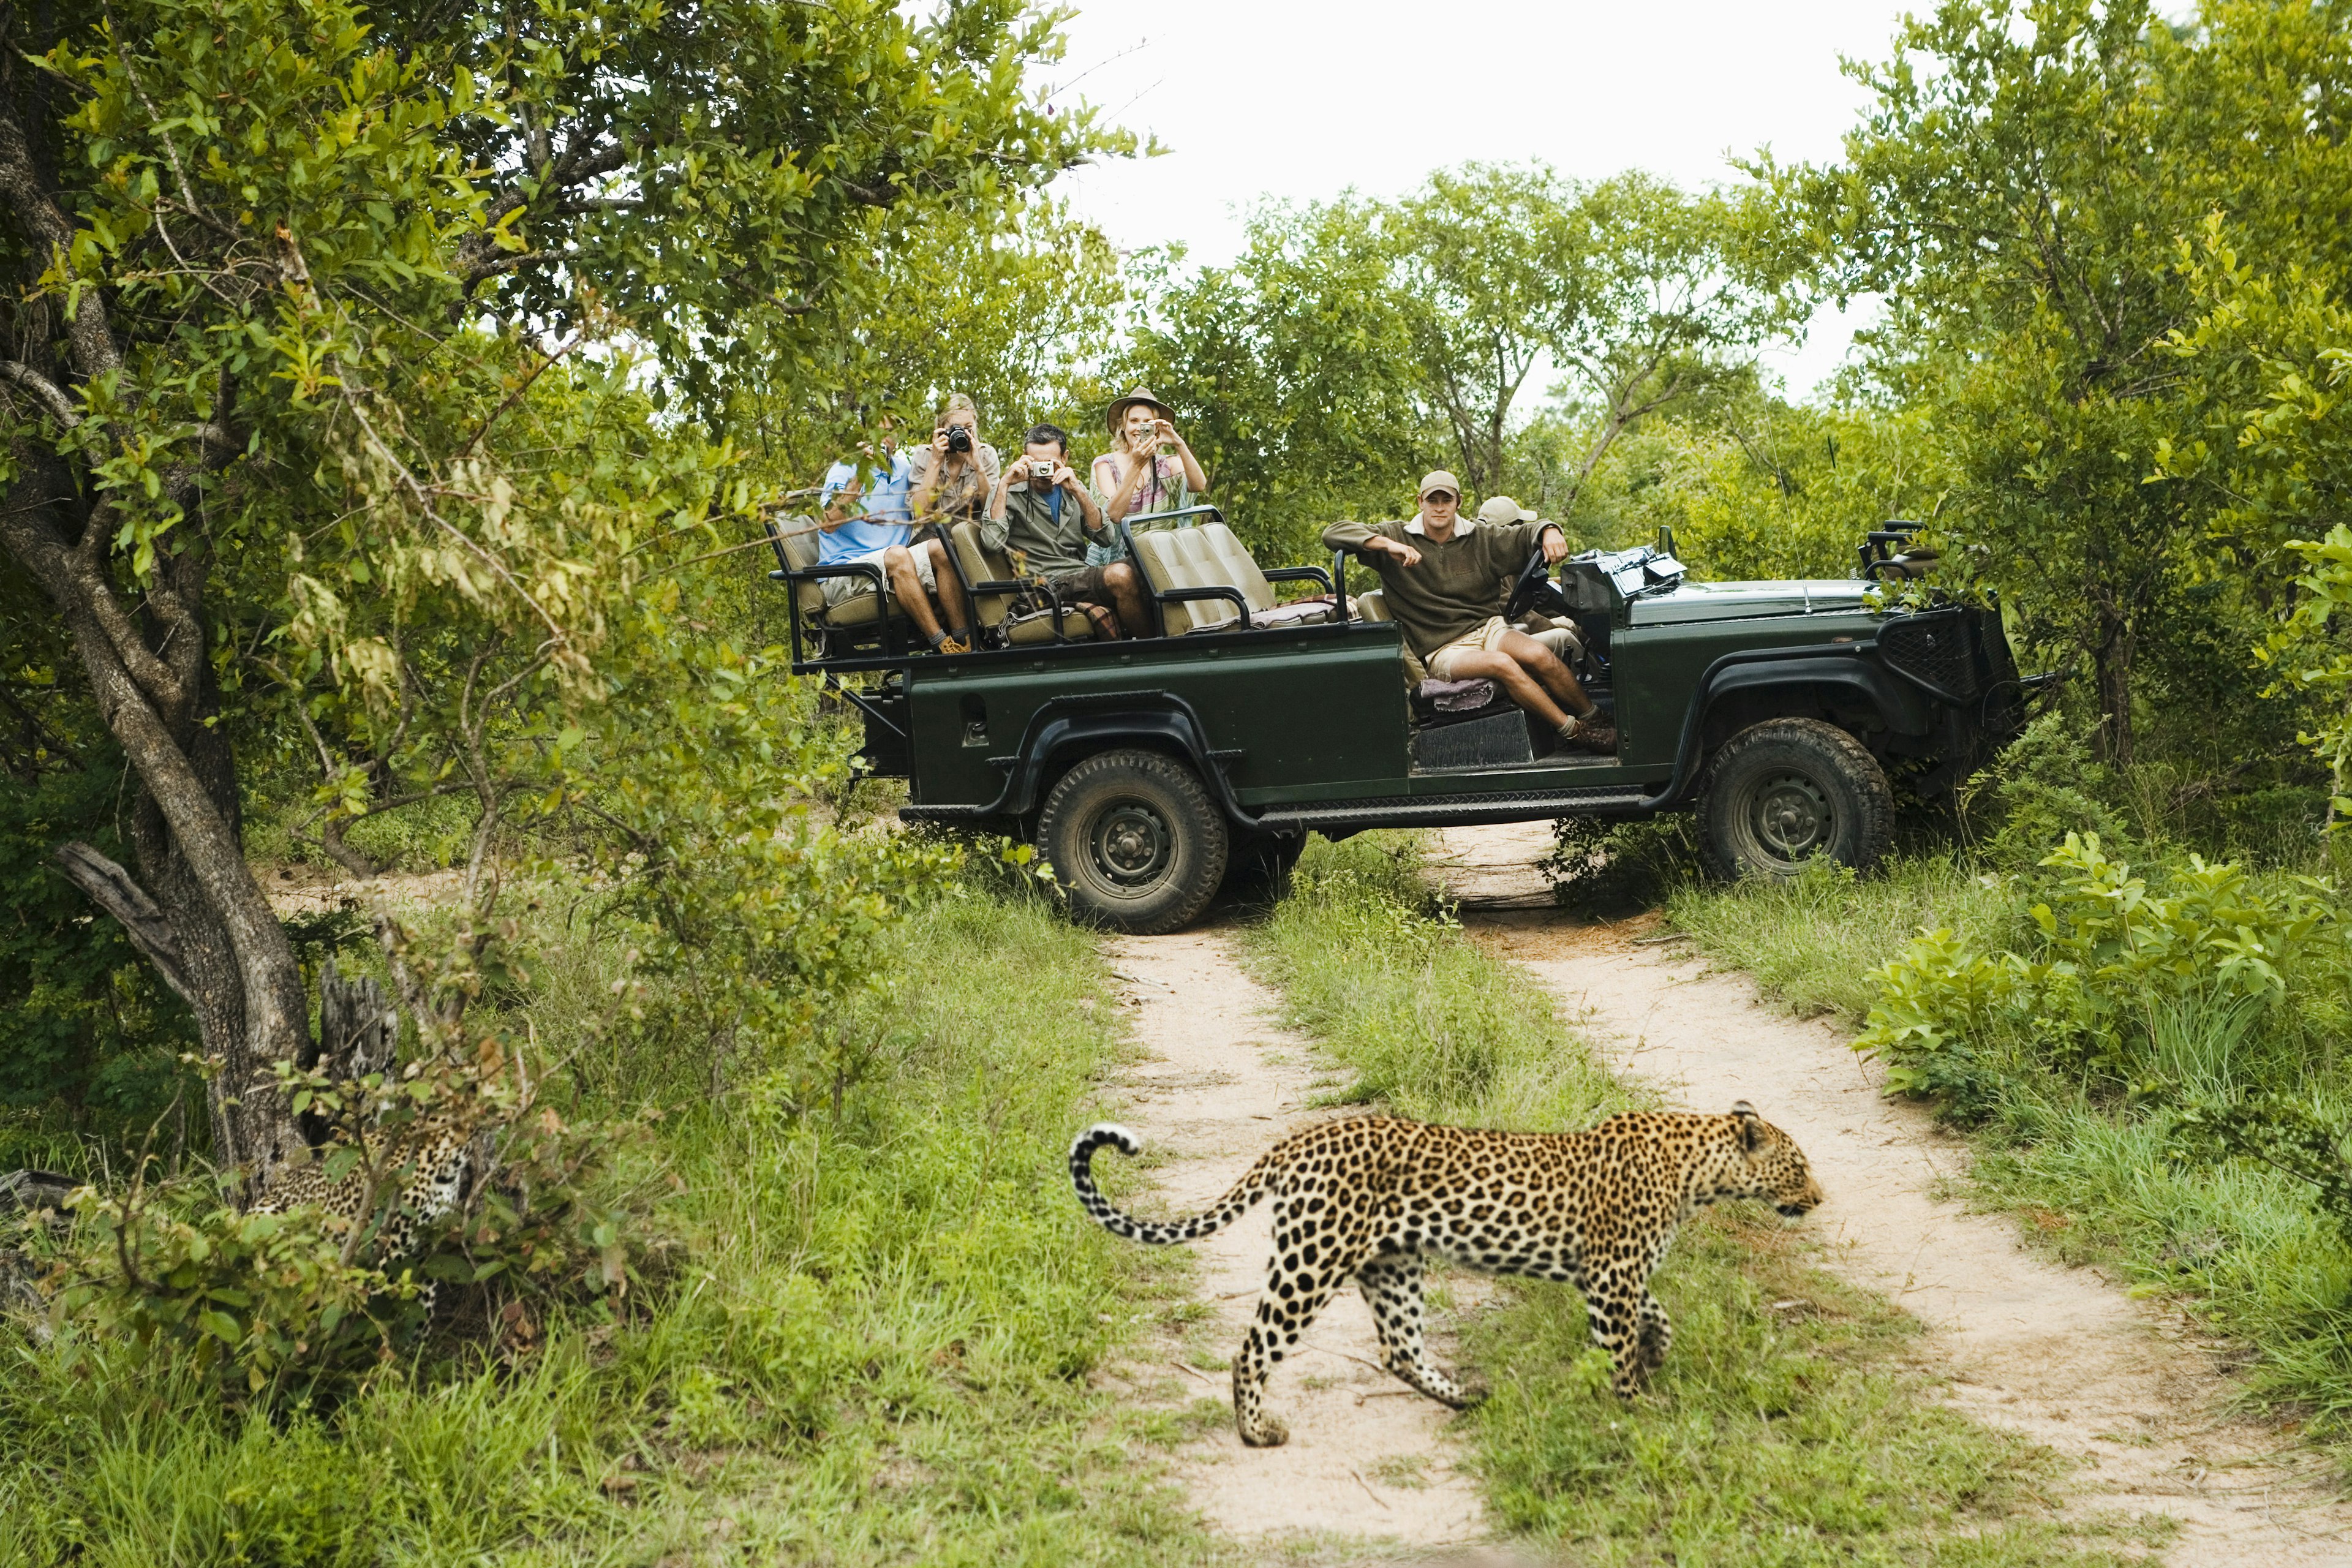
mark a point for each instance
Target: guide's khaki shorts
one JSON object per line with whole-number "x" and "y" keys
{"x": 1485, "y": 638}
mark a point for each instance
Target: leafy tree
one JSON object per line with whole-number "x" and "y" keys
{"x": 1755, "y": 488}
{"x": 327, "y": 401}
{"x": 1292, "y": 373}
{"x": 1357, "y": 340}
{"x": 2019, "y": 191}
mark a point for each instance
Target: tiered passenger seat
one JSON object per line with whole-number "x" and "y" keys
{"x": 1205, "y": 580}
{"x": 991, "y": 585}
{"x": 856, "y": 621}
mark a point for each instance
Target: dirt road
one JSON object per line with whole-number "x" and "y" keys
{"x": 2059, "y": 1353}
{"x": 1368, "y": 1458}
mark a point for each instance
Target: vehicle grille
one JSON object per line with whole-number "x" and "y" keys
{"x": 1933, "y": 650}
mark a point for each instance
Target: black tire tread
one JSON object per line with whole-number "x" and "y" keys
{"x": 1844, "y": 756}
{"x": 1182, "y": 904}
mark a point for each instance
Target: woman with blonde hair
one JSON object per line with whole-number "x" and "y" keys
{"x": 1148, "y": 468}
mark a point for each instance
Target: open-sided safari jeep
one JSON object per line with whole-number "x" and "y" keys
{"x": 1150, "y": 771}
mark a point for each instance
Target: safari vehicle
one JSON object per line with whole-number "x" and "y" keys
{"x": 1149, "y": 772}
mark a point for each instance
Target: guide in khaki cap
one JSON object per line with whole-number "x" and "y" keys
{"x": 1444, "y": 577}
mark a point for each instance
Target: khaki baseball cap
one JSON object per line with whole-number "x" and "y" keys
{"x": 1503, "y": 509}
{"x": 1438, "y": 480}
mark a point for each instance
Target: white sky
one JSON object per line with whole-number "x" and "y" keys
{"x": 1301, "y": 99}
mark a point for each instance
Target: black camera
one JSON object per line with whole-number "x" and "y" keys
{"x": 958, "y": 438}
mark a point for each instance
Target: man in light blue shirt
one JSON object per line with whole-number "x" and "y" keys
{"x": 864, "y": 515}
{"x": 864, "y": 518}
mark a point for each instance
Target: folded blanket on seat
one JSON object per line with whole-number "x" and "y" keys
{"x": 1458, "y": 695}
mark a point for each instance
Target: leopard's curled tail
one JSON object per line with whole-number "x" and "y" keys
{"x": 1227, "y": 1209}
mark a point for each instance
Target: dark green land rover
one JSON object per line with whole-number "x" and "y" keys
{"x": 1148, "y": 772}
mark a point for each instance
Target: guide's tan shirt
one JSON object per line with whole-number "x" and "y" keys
{"x": 1457, "y": 588}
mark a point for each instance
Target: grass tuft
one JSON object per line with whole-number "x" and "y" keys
{"x": 1812, "y": 941}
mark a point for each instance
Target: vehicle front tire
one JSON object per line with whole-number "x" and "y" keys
{"x": 1135, "y": 840}
{"x": 1782, "y": 791}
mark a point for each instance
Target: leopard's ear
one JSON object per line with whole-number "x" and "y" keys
{"x": 1751, "y": 1126}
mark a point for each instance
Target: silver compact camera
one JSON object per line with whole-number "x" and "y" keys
{"x": 1041, "y": 469}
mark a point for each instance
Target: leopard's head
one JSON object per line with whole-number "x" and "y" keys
{"x": 1771, "y": 1167}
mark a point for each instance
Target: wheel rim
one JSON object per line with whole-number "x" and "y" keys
{"x": 1131, "y": 846}
{"x": 1790, "y": 817}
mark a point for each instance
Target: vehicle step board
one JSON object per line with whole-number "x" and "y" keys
{"x": 1462, "y": 810}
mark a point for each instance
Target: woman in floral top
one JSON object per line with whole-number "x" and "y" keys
{"x": 1149, "y": 468}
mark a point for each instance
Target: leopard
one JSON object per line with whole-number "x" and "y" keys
{"x": 434, "y": 1156}
{"x": 1377, "y": 1198}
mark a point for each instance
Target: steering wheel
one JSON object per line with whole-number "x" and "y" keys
{"x": 1533, "y": 589}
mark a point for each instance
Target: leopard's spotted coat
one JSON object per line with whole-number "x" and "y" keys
{"x": 1370, "y": 1198}
{"x": 431, "y": 1157}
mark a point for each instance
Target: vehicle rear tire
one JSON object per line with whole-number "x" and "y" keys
{"x": 1784, "y": 791}
{"x": 1135, "y": 840}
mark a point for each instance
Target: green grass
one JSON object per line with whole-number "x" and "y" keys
{"x": 1786, "y": 1427}
{"x": 1812, "y": 941}
{"x": 873, "y": 1346}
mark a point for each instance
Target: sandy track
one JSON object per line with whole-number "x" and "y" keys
{"x": 2024, "y": 1343}
{"x": 1368, "y": 1458}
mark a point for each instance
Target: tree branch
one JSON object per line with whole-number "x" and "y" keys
{"x": 111, "y": 889}
{"x": 60, "y": 406}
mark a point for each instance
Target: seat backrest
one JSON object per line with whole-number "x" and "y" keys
{"x": 795, "y": 541}
{"x": 1208, "y": 555}
{"x": 1179, "y": 558}
{"x": 1240, "y": 567}
{"x": 1373, "y": 607}
{"x": 980, "y": 564}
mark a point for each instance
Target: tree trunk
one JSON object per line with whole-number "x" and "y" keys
{"x": 196, "y": 911}
{"x": 2111, "y": 659}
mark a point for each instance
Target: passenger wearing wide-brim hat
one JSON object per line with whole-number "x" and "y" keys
{"x": 1148, "y": 468}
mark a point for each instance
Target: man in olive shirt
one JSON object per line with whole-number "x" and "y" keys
{"x": 1444, "y": 577}
{"x": 1043, "y": 510}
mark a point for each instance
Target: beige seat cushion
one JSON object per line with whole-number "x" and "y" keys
{"x": 993, "y": 612}
{"x": 799, "y": 537}
{"x": 981, "y": 565}
{"x": 1022, "y": 631}
{"x": 1239, "y": 567}
{"x": 1171, "y": 558}
{"x": 1211, "y": 556}
{"x": 1374, "y": 606}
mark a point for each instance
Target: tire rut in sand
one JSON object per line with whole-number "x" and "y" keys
{"x": 2130, "y": 1395}
{"x": 1368, "y": 1458}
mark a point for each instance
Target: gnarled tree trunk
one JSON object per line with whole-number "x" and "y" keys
{"x": 194, "y": 907}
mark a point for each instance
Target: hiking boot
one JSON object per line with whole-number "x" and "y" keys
{"x": 1594, "y": 733}
{"x": 950, "y": 642}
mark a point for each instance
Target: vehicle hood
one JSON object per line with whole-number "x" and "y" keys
{"x": 1687, "y": 601}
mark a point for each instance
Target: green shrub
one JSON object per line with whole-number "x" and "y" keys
{"x": 2117, "y": 965}
{"x": 1800, "y": 937}
{"x": 1598, "y": 867}
{"x": 87, "y": 1035}
{"x": 303, "y": 1301}
{"x": 2045, "y": 784}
